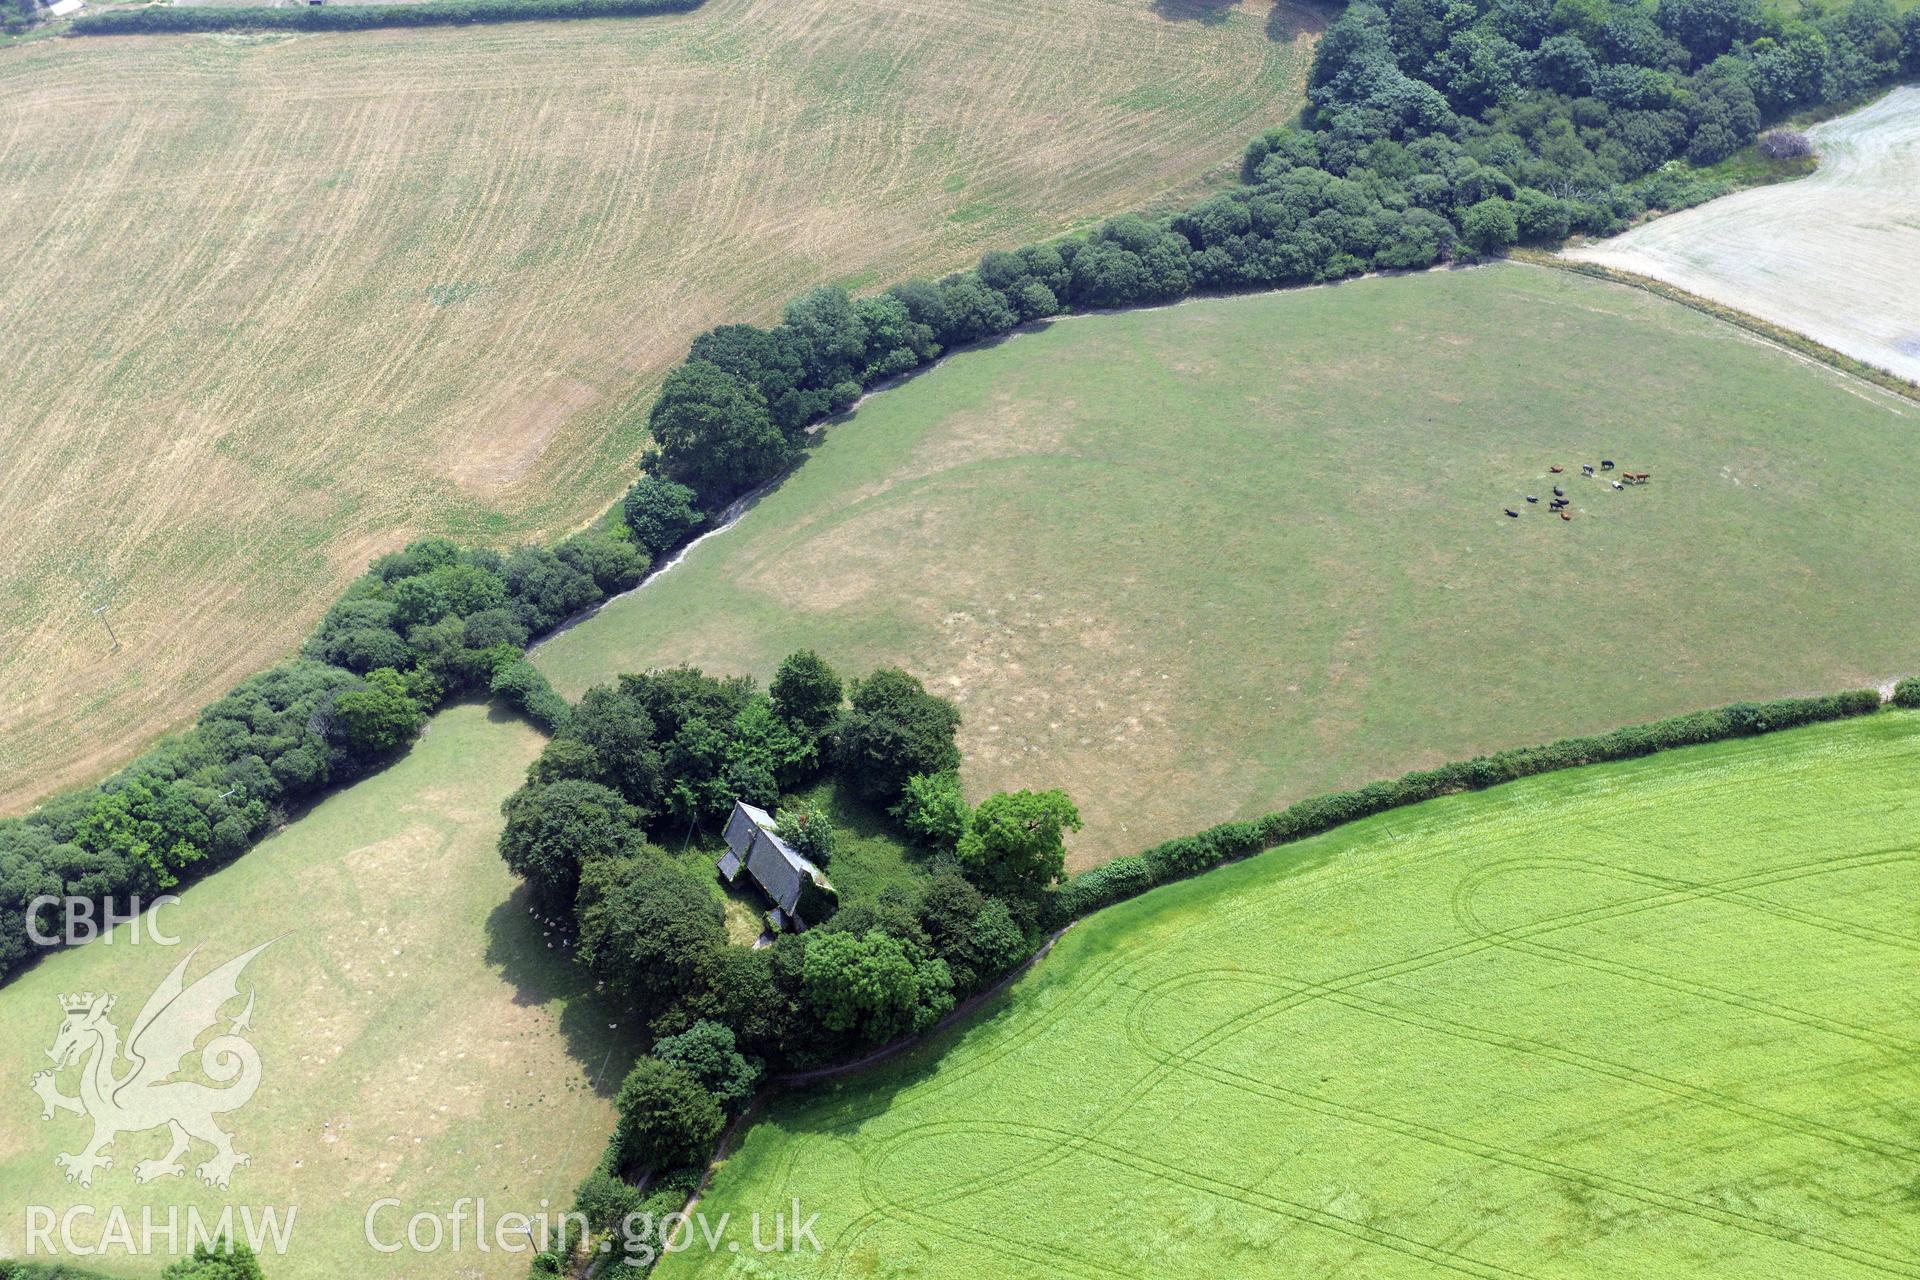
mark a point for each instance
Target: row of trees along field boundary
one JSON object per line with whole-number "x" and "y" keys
{"x": 638, "y": 764}
{"x": 857, "y": 984}
{"x": 1433, "y": 132}
{"x": 164, "y": 19}
{"x": 1186, "y": 856}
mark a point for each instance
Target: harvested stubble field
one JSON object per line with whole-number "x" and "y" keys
{"x": 1835, "y": 255}
{"x": 421, "y": 1039}
{"x": 1648, "y": 1019}
{"x": 275, "y": 304}
{"x": 1195, "y": 563}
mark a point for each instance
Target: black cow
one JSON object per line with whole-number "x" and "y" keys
{"x": 1510, "y": 511}
{"x": 1558, "y": 492}
{"x": 1606, "y": 464}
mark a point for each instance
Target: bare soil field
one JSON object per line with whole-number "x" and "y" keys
{"x": 1835, "y": 255}
{"x": 273, "y": 305}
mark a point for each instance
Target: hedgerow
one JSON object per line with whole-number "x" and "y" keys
{"x": 166, "y": 19}
{"x": 423, "y": 626}
{"x": 1434, "y": 132}
{"x": 1189, "y": 855}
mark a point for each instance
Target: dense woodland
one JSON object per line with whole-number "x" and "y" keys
{"x": 646, "y": 762}
{"x": 1436, "y": 130}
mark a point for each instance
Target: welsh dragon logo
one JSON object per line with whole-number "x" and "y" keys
{"x": 143, "y": 1095}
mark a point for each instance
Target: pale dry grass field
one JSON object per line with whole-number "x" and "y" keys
{"x": 421, "y": 1037}
{"x": 1195, "y": 563}
{"x": 1835, "y": 255}
{"x": 275, "y": 305}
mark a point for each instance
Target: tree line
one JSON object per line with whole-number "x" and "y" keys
{"x": 644, "y": 761}
{"x": 1433, "y": 129}
{"x": 158, "y": 19}
{"x": 724, "y": 1017}
{"x": 1436, "y": 129}
{"x": 1186, "y": 856}
{"x": 424, "y": 625}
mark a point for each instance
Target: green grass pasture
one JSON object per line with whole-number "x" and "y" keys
{"x": 279, "y": 302}
{"x": 1194, "y": 563}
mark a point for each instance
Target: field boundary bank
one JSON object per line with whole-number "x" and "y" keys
{"x": 755, "y": 1110}
{"x": 1791, "y": 339}
{"x": 1699, "y": 728}
{"x": 175, "y": 786}
{"x": 1317, "y": 815}
{"x": 1186, "y": 856}
{"x": 311, "y": 16}
{"x": 533, "y": 701}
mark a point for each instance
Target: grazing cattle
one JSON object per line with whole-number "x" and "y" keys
{"x": 1565, "y": 516}
{"x": 1618, "y": 485}
{"x": 1556, "y": 470}
{"x": 1558, "y": 492}
{"x": 1510, "y": 511}
{"x": 1531, "y": 498}
{"x": 1557, "y": 503}
{"x": 1586, "y": 468}
{"x": 1635, "y": 477}
{"x": 1606, "y": 464}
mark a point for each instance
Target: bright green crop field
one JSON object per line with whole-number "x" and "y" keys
{"x": 1197, "y": 562}
{"x": 1653, "y": 1019}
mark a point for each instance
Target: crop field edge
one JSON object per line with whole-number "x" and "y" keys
{"x": 935, "y": 1041}
{"x": 1780, "y": 335}
{"x": 174, "y": 679}
{"x": 924, "y": 1051}
{"x": 573, "y": 669}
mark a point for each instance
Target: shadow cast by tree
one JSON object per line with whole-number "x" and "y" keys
{"x": 537, "y": 958}
{"x": 1209, "y": 13}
